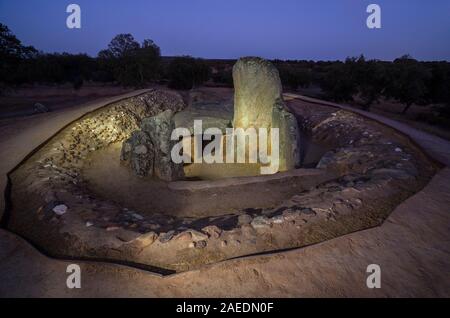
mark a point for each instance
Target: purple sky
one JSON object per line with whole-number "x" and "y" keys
{"x": 285, "y": 29}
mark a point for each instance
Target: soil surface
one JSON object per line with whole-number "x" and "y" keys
{"x": 411, "y": 247}
{"x": 21, "y": 102}
{"x": 108, "y": 178}
{"x": 368, "y": 171}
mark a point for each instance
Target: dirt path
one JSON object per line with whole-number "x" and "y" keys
{"x": 438, "y": 148}
{"x": 22, "y": 135}
{"x": 412, "y": 247}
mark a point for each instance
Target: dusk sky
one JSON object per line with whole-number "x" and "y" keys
{"x": 285, "y": 29}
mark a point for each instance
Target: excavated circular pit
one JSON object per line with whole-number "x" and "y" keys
{"x": 107, "y": 177}
{"x": 73, "y": 198}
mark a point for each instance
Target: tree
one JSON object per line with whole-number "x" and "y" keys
{"x": 132, "y": 64}
{"x": 439, "y": 92}
{"x": 186, "y": 72}
{"x": 408, "y": 82}
{"x": 121, "y": 45}
{"x": 339, "y": 80}
{"x": 438, "y": 86}
{"x": 148, "y": 61}
{"x": 12, "y": 53}
{"x": 224, "y": 76}
{"x": 293, "y": 76}
{"x": 371, "y": 81}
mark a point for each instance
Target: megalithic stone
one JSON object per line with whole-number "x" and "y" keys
{"x": 258, "y": 103}
{"x": 257, "y": 86}
{"x": 289, "y": 136}
{"x": 159, "y": 128}
{"x": 148, "y": 150}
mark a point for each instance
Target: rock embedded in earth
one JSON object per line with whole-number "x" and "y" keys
{"x": 40, "y": 108}
{"x": 146, "y": 239}
{"x": 260, "y": 222}
{"x": 166, "y": 237}
{"x": 113, "y": 228}
{"x": 148, "y": 151}
{"x": 244, "y": 219}
{"x": 258, "y": 103}
{"x": 60, "y": 209}
{"x": 394, "y": 173}
{"x": 159, "y": 128}
{"x": 212, "y": 231}
{"x": 127, "y": 236}
{"x": 277, "y": 219}
{"x": 137, "y": 151}
{"x": 200, "y": 244}
{"x": 198, "y": 236}
{"x": 155, "y": 102}
{"x": 183, "y": 236}
{"x": 137, "y": 216}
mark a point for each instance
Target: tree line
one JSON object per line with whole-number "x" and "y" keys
{"x": 127, "y": 62}
{"x": 405, "y": 80}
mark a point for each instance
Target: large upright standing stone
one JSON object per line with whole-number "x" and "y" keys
{"x": 258, "y": 103}
{"x": 256, "y": 88}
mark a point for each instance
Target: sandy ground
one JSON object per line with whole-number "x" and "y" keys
{"x": 20, "y": 102}
{"x": 435, "y": 146}
{"x": 21, "y": 135}
{"x": 412, "y": 247}
{"x": 107, "y": 178}
{"x": 392, "y": 109}
{"x": 410, "y": 118}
